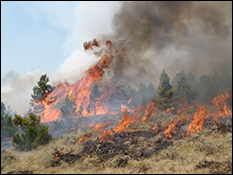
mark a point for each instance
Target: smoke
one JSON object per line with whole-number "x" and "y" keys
{"x": 17, "y": 87}
{"x": 170, "y": 35}
{"x": 173, "y": 35}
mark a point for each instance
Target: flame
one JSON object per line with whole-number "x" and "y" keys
{"x": 194, "y": 125}
{"x": 172, "y": 129}
{"x": 109, "y": 43}
{"x": 81, "y": 90}
{"x": 149, "y": 111}
{"x": 170, "y": 109}
{"x": 84, "y": 137}
{"x": 124, "y": 108}
{"x": 221, "y": 103}
{"x": 8, "y": 138}
{"x": 58, "y": 155}
{"x": 155, "y": 127}
{"x": 200, "y": 115}
{"x": 186, "y": 107}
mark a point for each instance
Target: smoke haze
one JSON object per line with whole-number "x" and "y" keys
{"x": 171, "y": 35}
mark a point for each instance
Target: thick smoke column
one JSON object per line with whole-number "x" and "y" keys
{"x": 171, "y": 35}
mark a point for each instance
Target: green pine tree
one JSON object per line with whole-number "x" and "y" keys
{"x": 146, "y": 93}
{"x": 8, "y": 128}
{"x": 134, "y": 95}
{"x": 35, "y": 133}
{"x": 183, "y": 92}
{"x": 3, "y": 108}
{"x": 177, "y": 76}
{"x": 165, "y": 92}
{"x": 41, "y": 91}
{"x": 143, "y": 94}
{"x": 68, "y": 108}
{"x": 119, "y": 95}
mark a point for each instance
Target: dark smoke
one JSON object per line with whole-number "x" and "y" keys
{"x": 170, "y": 35}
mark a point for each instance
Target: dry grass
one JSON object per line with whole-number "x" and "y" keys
{"x": 182, "y": 157}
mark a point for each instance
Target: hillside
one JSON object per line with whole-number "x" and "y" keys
{"x": 136, "y": 150}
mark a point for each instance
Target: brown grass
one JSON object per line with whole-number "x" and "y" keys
{"x": 181, "y": 157}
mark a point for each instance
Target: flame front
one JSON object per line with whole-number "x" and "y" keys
{"x": 49, "y": 108}
{"x": 221, "y": 103}
{"x": 81, "y": 90}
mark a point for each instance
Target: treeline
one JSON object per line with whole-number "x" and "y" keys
{"x": 184, "y": 87}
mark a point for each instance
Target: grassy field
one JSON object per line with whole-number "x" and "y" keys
{"x": 208, "y": 151}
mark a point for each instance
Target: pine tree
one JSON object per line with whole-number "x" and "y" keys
{"x": 146, "y": 93}
{"x": 41, "y": 91}
{"x": 134, "y": 95}
{"x": 68, "y": 108}
{"x": 210, "y": 86}
{"x": 143, "y": 94}
{"x": 173, "y": 82}
{"x": 151, "y": 90}
{"x": 191, "y": 79}
{"x": 206, "y": 89}
{"x": 183, "y": 92}
{"x": 3, "y": 108}
{"x": 120, "y": 95}
{"x": 35, "y": 133}
{"x": 165, "y": 93}
{"x": 8, "y": 128}
{"x": 95, "y": 94}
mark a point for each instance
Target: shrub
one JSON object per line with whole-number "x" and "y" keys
{"x": 8, "y": 129}
{"x": 35, "y": 133}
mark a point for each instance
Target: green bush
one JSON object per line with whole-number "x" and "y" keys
{"x": 8, "y": 128}
{"x": 35, "y": 133}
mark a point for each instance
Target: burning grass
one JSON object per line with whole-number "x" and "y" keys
{"x": 131, "y": 144}
{"x": 143, "y": 141}
{"x": 182, "y": 156}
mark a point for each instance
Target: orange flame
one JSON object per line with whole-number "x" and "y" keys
{"x": 196, "y": 125}
{"x": 8, "y": 138}
{"x": 81, "y": 90}
{"x": 221, "y": 103}
{"x": 155, "y": 128}
{"x": 149, "y": 111}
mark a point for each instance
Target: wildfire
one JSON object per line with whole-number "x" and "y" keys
{"x": 149, "y": 111}
{"x": 50, "y": 107}
{"x": 8, "y": 138}
{"x": 221, "y": 103}
{"x": 186, "y": 107}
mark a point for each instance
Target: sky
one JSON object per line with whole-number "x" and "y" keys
{"x": 47, "y": 37}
